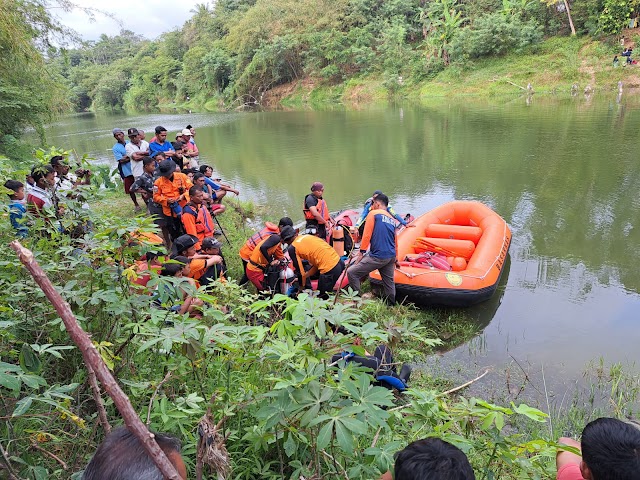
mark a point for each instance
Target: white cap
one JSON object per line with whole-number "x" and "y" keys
{"x": 186, "y": 131}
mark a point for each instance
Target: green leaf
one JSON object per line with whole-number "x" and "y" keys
{"x": 22, "y": 406}
{"x": 29, "y": 360}
{"x": 532, "y": 413}
{"x": 290, "y": 446}
{"x": 324, "y": 437}
{"x": 12, "y": 382}
{"x": 344, "y": 437}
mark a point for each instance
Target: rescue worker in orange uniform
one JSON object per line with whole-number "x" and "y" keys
{"x": 316, "y": 212}
{"x": 196, "y": 218}
{"x": 320, "y": 255}
{"x": 171, "y": 191}
{"x": 267, "y": 253}
{"x": 256, "y": 238}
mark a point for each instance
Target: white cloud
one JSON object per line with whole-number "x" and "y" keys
{"x": 147, "y": 18}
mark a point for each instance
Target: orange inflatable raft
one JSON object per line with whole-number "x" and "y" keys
{"x": 475, "y": 241}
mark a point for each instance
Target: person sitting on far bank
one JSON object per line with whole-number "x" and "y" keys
{"x": 264, "y": 259}
{"x": 255, "y": 239}
{"x": 121, "y": 456}
{"x": 367, "y": 207}
{"x": 124, "y": 165}
{"x": 137, "y": 149}
{"x": 171, "y": 191}
{"x": 17, "y": 208}
{"x": 209, "y": 194}
{"x": 316, "y": 212}
{"x": 380, "y": 239}
{"x": 219, "y": 189}
{"x": 320, "y": 255}
{"x": 196, "y": 218}
{"x": 159, "y": 143}
{"x": 610, "y": 451}
{"x": 431, "y": 459}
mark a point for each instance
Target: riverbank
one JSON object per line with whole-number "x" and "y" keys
{"x": 557, "y": 66}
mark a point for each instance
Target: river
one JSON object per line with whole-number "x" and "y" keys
{"x": 563, "y": 172}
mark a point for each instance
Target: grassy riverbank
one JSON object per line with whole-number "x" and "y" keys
{"x": 557, "y": 66}
{"x": 261, "y": 364}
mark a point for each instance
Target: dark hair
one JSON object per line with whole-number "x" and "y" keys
{"x": 147, "y": 160}
{"x": 40, "y": 171}
{"x": 57, "y": 160}
{"x": 285, "y": 221}
{"x": 195, "y": 189}
{"x": 177, "y": 145}
{"x": 14, "y": 185}
{"x": 160, "y": 129}
{"x": 122, "y": 456}
{"x": 160, "y": 154}
{"x": 170, "y": 269}
{"x": 432, "y": 459}
{"x": 611, "y": 449}
{"x": 203, "y": 168}
{"x": 383, "y": 199}
{"x": 197, "y": 176}
{"x": 190, "y": 170}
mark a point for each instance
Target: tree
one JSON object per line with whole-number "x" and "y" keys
{"x": 564, "y": 5}
{"x": 29, "y": 91}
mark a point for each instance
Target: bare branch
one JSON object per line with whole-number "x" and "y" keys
{"x": 93, "y": 359}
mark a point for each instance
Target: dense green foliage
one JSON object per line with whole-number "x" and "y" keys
{"x": 262, "y": 364}
{"x": 237, "y": 50}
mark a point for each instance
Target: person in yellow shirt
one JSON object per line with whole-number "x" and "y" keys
{"x": 320, "y": 255}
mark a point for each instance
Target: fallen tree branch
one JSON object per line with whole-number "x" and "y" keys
{"x": 93, "y": 360}
{"x": 46, "y": 452}
{"x": 97, "y": 397}
{"x": 465, "y": 385}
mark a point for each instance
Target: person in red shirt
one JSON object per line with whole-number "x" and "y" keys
{"x": 610, "y": 451}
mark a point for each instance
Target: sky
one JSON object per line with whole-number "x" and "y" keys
{"x": 148, "y": 18}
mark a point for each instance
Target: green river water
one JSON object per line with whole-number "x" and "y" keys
{"x": 563, "y": 172}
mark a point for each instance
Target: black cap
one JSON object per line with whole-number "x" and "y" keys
{"x": 167, "y": 167}
{"x": 377, "y": 192}
{"x": 159, "y": 129}
{"x": 210, "y": 242}
{"x": 132, "y": 132}
{"x": 287, "y": 233}
{"x": 182, "y": 243}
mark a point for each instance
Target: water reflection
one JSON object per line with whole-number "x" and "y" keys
{"x": 563, "y": 172}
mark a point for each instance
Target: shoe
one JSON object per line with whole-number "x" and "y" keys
{"x": 137, "y": 208}
{"x": 405, "y": 373}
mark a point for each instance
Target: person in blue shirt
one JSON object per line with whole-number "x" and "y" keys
{"x": 380, "y": 240}
{"x": 160, "y": 144}
{"x": 17, "y": 208}
{"x": 124, "y": 165}
{"x": 367, "y": 207}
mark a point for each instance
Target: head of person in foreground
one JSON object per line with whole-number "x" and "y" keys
{"x": 432, "y": 459}
{"x": 121, "y": 456}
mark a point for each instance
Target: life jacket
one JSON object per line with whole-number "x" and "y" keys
{"x": 321, "y": 207}
{"x": 248, "y": 247}
{"x": 203, "y": 227}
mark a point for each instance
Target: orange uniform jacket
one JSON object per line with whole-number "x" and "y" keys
{"x": 314, "y": 250}
{"x": 275, "y": 253}
{"x": 166, "y": 189}
{"x": 199, "y": 225}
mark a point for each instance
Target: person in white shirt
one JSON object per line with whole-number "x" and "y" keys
{"x": 136, "y": 150}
